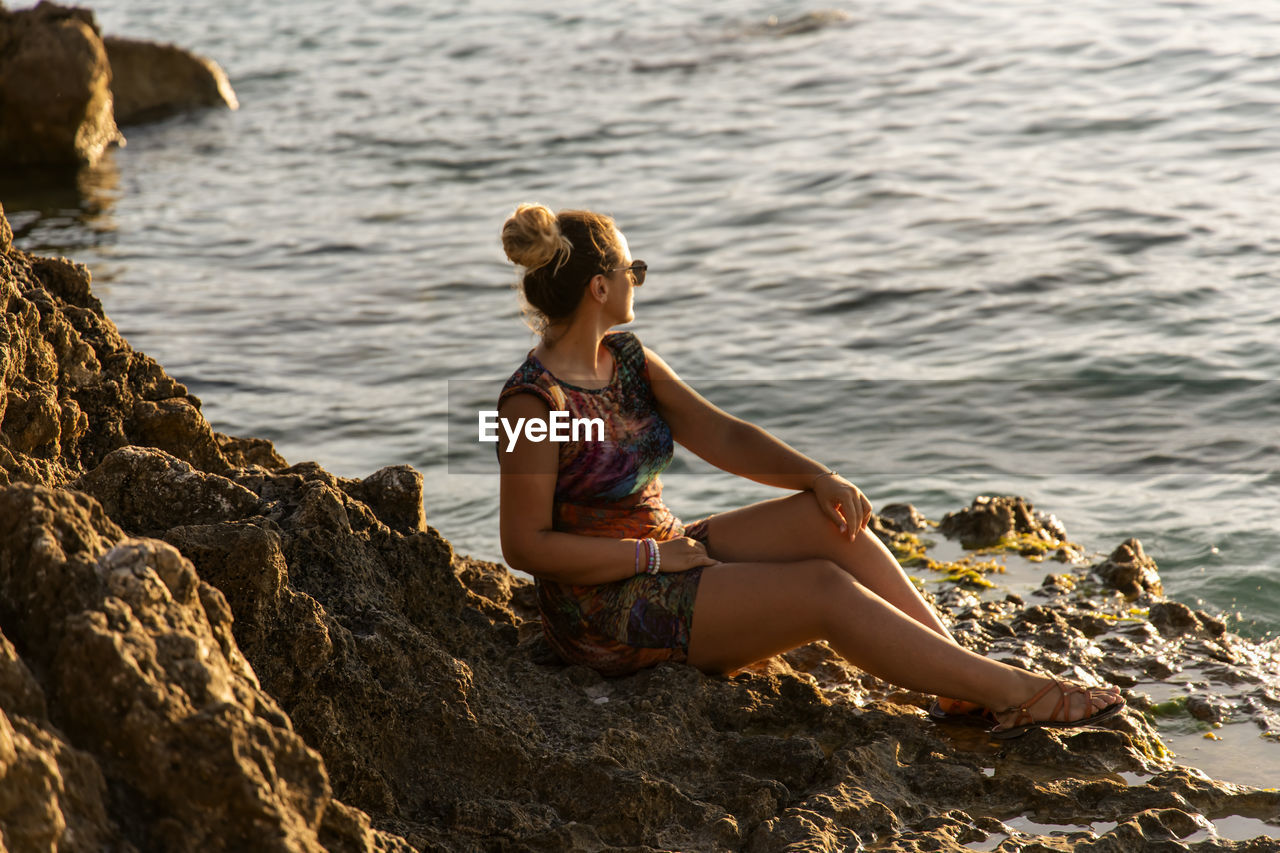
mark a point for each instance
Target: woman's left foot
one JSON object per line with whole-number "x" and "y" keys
{"x": 962, "y": 713}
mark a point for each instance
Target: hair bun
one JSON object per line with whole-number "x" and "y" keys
{"x": 531, "y": 237}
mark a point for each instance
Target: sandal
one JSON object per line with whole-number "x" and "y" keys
{"x": 1024, "y": 722}
{"x": 960, "y": 712}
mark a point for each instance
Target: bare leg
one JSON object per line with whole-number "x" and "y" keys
{"x": 794, "y": 528}
{"x": 748, "y": 611}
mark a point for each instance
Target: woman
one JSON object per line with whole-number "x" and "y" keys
{"x": 622, "y": 584}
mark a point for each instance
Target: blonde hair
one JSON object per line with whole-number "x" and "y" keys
{"x": 561, "y": 253}
{"x": 532, "y": 238}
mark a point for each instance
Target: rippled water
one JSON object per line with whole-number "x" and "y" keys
{"x": 949, "y": 247}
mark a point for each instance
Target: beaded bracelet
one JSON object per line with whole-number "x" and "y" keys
{"x": 655, "y": 558}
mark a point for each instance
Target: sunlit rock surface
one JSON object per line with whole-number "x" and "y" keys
{"x": 205, "y": 647}
{"x": 55, "y": 88}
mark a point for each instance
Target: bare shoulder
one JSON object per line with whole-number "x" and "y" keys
{"x": 658, "y": 367}
{"x": 523, "y": 405}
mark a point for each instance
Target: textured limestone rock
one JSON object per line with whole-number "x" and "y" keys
{"x": 1173, "y": 618}
{"x": 151, "y": 81}
{"x": 52, "y": 795}
{"x": 394, "y": 494}
{"x": 249, "y": 452}
{"x": 71, "y": 388}
{"x": 138, "y": 661}
{"x": 6, "y": 232}
{"x": 988, "y": 521}
{"x": 1130, "y": 570}
{"x": 55, "y": 95}
{"x": 148, "y": 491}
{"x": 901, "y": 518}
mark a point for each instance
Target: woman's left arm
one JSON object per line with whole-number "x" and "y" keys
{"x": 742, "y": 448}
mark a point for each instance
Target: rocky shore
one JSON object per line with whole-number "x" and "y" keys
{"x": 65, "y": 89}
{"x": 206, "y": 648}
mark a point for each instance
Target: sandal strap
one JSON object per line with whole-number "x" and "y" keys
{"x": 1059, "y": 714}
{"x": 1024, "y": 710}
{"x": 1071, "y": 690}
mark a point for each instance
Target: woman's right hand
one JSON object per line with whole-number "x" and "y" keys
{"x": 683, "y": 554}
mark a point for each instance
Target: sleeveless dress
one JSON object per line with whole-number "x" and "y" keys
{"x": 611, "y": 488}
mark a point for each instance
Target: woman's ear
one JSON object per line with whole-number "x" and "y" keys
{"x": 599, "y": 289}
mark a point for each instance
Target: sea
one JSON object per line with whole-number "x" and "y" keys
{"x": 948, "y": 248}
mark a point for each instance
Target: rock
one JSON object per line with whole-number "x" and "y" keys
{"x": 1205, "y": 709}
{"x": 394, "y": 494}
{"x": 135, "y": 653}
{"x": 1056, "y": 585}
{"x": 152, "y": 81}
{"x": 55, "y": 95}
{"x": 6, "y": 232}
{"x": 249, "y": 452}
{"x": 991, "y": 521}
{"x": 147, "y": 491}
{"x": 902, "y": 518}
{"x": 1130, "y": 571}
{"x": 1173, "y": 619}
{"x": 72, "y": 390}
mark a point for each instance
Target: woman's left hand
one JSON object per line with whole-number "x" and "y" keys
{"x": 843, "y": 503}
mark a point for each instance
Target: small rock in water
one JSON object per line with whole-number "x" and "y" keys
{"x": 990, "y": 521}
{"x": 151, "y": 81}
{"x": 1130, "y": 571}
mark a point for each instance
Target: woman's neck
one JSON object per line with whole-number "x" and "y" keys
{"x": 576, "y": 353}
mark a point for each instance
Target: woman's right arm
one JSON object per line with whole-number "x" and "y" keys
{"x": 528, "y": 541}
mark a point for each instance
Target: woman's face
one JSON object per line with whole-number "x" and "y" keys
{"x": 621, "y": 285}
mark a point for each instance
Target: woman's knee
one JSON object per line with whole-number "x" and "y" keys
{"x": 828, "y": 587}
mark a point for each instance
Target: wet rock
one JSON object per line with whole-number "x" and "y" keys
{"x": 55, "y": 95}
{"x": 1056, "y": 585}
{"x": 1174, "y": 619}
{"x": 901, "y": 518}
{"x": 1205, "y": 709}
{"x": 151, "y": 81}
{"x": 1130, "y": 571}
{"x": 991, "y": 521}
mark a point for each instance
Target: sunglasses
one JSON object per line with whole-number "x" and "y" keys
{"x": 637, "y": 269}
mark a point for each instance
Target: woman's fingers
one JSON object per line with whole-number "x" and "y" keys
{"x": 833, "y": 512}
{"x": 844, "y": 504}
{"x": 855, "y": 513}
{"x": 682, "y": 554}
{"x": 701, "y": 557}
